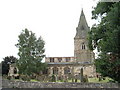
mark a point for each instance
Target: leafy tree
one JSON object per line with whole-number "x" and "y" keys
{"x": 105, "y": 36}
{"x": 6, "y": 63}
{"x": 0, "y": 68}
{"x": 31, "y": 53}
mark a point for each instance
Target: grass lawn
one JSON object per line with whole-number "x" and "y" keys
{"x": 92, "y": 80}
{"x": 96, "y": 80}
{"x": 33, "y": 80}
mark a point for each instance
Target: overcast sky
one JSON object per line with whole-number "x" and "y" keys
{"x": 54, "y": 20}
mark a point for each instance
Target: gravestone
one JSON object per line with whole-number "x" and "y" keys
{"x": 72, "y": 78}
{"x": 61, "y": 78}
{"x": 56, "y": 77}
{"x": 85, "y": 78}
{"x": 81, "y": 75}
{"x": 65, "y": 78}
{"x": 75, "y": 78}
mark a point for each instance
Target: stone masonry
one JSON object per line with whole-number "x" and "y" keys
{"x": 25, "y": 84}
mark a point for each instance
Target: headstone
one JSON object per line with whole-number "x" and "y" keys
{"x": 62, "y": 78}
{"x": 81, "y": 74}
{"x": 75, "y": 79}
{"x": 85, "y": 78}
{"x": 72, "y": 79}
{"x": 66, "y": 79}
{"x": 69, "y": 76}
{"x": 100, "y": 78}
{"x": 56, "y": 78}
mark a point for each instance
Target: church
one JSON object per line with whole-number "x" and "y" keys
{"x": 83, "y": 56}
{"x": 71, "y": 66}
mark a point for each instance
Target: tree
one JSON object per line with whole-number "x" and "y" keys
{"x": 105, "y": 36}
{"x": 6, "y": 63}
{"x": 31, "y": 53}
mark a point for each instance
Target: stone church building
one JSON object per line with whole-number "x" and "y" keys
{"x": 83, "y": 56}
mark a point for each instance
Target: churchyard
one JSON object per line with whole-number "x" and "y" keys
{"x": 45, "y": 83}
{"x": 45, "y": 78}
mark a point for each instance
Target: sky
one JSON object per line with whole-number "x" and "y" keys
{"x": 54, "y": 20}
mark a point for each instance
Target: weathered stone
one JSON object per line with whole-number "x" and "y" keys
{"x": 26, "y": 84}
{"x": 81, "y": 74}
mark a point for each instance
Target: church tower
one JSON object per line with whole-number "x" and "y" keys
{"x": 82, "y": 52}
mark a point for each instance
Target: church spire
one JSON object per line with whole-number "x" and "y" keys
{"x": 82, "y": 20}
{"x": 82, "y": 28}
{"x": 82, "y": 13}
{"x": 81, "y": 50}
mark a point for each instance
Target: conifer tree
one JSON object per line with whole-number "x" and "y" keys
{"x": 105, "y": 36}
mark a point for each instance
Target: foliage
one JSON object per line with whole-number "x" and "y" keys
{"x": 105, "y": 37}
{"x": 31, "y": 53}
{"x": 0, "y": 68}
{"x": 6, "y": 63}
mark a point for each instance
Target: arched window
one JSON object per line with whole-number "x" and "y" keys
{"x": 66, "y": 70}
{"x": 51, "y": 59}
{"x": 55, "y": 70}
{"x": 83, "y": 46}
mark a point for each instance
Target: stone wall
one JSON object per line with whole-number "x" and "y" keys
{"x": 23, "y": 84}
